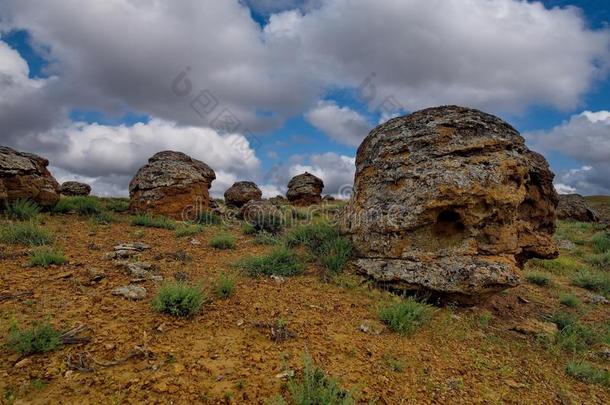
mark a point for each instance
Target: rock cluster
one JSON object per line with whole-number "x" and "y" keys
{"x": 25, "y": 176}
{"x": 75, "y": 188}
{"x": 574, "y": 207}
{"x": 305, "y": 189}
{"x": 241, "y": 192}
{"x": 171, "y": 184}
{"x": 449, "y": 200}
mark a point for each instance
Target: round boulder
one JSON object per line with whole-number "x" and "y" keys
{"x": 450, "y": 201}
{"x": 305, "y": 189}
{"x": 242, "y": 192}
{"x": 171, "y": 184}
{"x": 25, "y": 176}
{"x": 574, "y": 207}
{"x": 74, "y": 188}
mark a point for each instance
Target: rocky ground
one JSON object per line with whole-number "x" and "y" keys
{"x": 507, "y": 350}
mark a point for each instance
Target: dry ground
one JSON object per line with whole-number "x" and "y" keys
{"x": 224, "y": 355}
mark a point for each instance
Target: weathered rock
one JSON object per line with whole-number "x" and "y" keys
{"x": 328, "y": 198}
{"x": 25, "y": 176}
{"x": 574, "y": 207}
{"x": 241, "y": 192}
{"x": 131, "y": 291}
{"x": 535, "y": 327}
{"x": 305, "y": 189}
{"x": 263, "y": 215}
{"x": 278, "y": 200}
{"x": 451, "y": 201}
{"x": 171, "y": 184}
{"x": 126, "y": 250}
{"x": 74, "y": 188}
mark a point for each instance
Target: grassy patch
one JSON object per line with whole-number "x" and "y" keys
{"x": 150, "y": 221}
{"x": 573, "y": 336}
{"x": 224, "y": 286}
{"x": 315, "y": 387}
{"x": 178, "y": 299}
{"x": 280, "y": 262}
{"x": 117, "y": 204}
{"x": 45, "y": 257}
{"x": 593, "y": 281}
{"x": 188, "y": 230}
{"x": 264, "y": 238}
{"x": 538, "y": 278}
{"x": 39, "y": 338}
{"x": 405, "y": 317}
{"x": 248, "y": 229}
{"x": 562, "y": 265}
{"x": 25, "y": 233}
{"x": 588, "y": 373}
{"x": 569, "y": 300}
{"x": 208, "y": 218}
{"x": 23, "y": 210}
{"x": 267, "y": 222}
{"x": 601, "y": 242}
{"x": 599, "y": 260}
{"x": 81, "y": 205}
{"x": 223, "y": 241}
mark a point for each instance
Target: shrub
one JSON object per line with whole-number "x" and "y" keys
{"x": 208, "y": 218}
{"x": 315, "y": 387}
{"x": 45, "y": 257}
{"x": 594, "y": 281}
{"x": 588, "y": 373}
{"x": 178, "y": 299}
{"x": 150, "y": 221}
{"x": 280, "y": 262}
{"x": 265, "y": 238}
{"x": 223, "y": 241}
{"x": 25, "y": 233}
{"x": 224, "y": 286}
{"x": 81, "y": 205}
{"x": 248, "y": 229}
{"x": 406, "y": 316}
{"x": 188, "y": 230}
{"x": 40, "y": 338}
{"x": 601, "y": 242}
{"x": 23, "y": 210}
{"x": 117, "y": 204}
{"x": 569, "y": 300}
{"x": 538, "y": 278}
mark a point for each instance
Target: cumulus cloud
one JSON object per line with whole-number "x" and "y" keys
{"x": 341, "y": 124}
{"x": 586, "y": 138}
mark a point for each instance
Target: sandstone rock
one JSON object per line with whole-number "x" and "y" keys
{"x": 449, "y": 200}
{"x": 574, "y": 207}
{"x": 131, "y": 291}
{"x": 25, "y": 176}
{"x": 263, "y": 215}
{"x": 74, "y": 188}
{"x": 535, "y": 327}
{"x": 305, "y": 189}
{"x": 171, "y": 184}
{"x": 242, "y": 192}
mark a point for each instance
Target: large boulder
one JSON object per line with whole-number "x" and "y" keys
{"x": 449, "y": 200}
{"x": 242, "y": 192}
{"x": 574, "y": 207}
{"x": 74, "y": 188}
{"x": 25, "y": 176}
{"x": 305, "y": 189}
{"x": 171, "y": 184}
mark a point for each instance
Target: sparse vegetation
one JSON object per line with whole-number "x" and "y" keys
{"x": 25, "y": 233}
{"x": 594, "y": 281}
{"x": 573, "y": 336}
{"x": 223, "y": 241}
{"x": 588, "y": 373}
{"x": 264, "y": 238}
{"x": 394, "y": 363}
{"x": 40, "y": 338}
{"x": 45, "y": 257}
{"x": 538, "y": 278}
{"x": 248, "y": 229}
{"x": 81, "y": 205}
{"x": 188, "y": 230}
{"x": 224, "y": 286}
{"x": 208, "y": 218}
{"x": 279, "y": 262}
{"x": 150, "y": 221}
{"x": 569, "y": 300}
{"x": 601, "y": 260}
{"x": 406, "y": 316}
{"x": 178, "y": 299}
{"x": 601, "y": 242}
{"x": 23, "y": 210}
{"x": 117, "y": 204}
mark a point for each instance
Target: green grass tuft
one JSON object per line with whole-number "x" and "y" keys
{"x": 588, "y": 373}
{"x": 25, "y": 233}
{"x": 315, "y": 387}
{"x": 117, "y": 204}
{"x": 248, "y": 229}
{"x": 40, "y": 338}
{"x": 150, "y": 221}
{"x": 23, "y": 210}
{"x": 406, "y": 316}
{"x": 569, "y": 300}
{"x": 45, "y": 257}
{"x": 594, "y": 281}
{"x": 178, "y": 299}
{"x": 599, "y": 260}
{"x": 208, "y": 218}
{"x": 562, "y": 265}
{"x": 223, "y": 241}
{"x": 264, "y": 238}
{"x": 538, "y": 278}
{"x": 601, "y": 242}
{"x": 280, "y": 262}
{"x": 188, "y": 230}
{"x": 573, "y": 336}
{"x": 81, "y": 205}
{"x": 224, "y": 286}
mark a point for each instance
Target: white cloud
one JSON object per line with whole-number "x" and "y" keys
{"x": 342, "y": 124}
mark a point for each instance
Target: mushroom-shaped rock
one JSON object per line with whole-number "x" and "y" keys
{"x": 171, "y": 184}
{"x": 449, "y": 200}
{"x": 305, "y": 189}
{"x": 75, "y": 188}
{"x": 25, "y": 176}
{"x": 574, "y": 207}
{"x": 241, "y": 192}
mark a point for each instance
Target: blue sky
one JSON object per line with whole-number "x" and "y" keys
{"x": 97, "y": 97}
